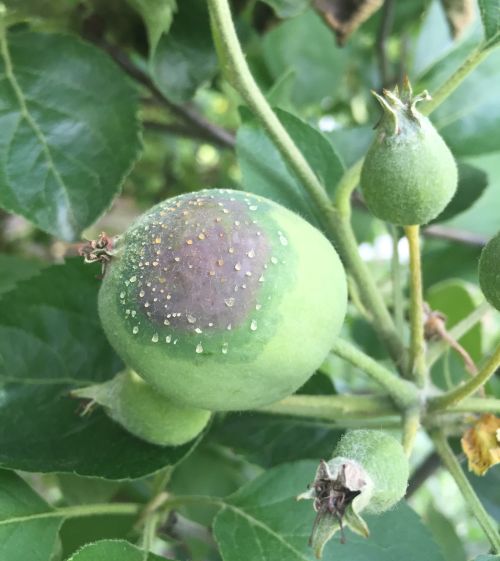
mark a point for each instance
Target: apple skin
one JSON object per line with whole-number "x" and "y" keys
{"x": 223, "y": 300}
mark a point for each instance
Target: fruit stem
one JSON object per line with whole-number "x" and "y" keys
{"x": 452, "y": 83}
{"x": 456, "y": 332}
{"x": 411, "y": 426}
{"x": 453, "y": 466}
{"x": 472, "y": 385}
{"x": 397, "y": 288}
{"x": 403, "y": 393}
{"x": 336, "y": 222}
{"x": 417, "y": 341}
{"x": 337, "y": 408}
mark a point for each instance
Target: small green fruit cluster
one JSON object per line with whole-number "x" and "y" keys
{"x": 368, "y": 472}
{"x": 409, "y": 174}
{"x": 489, "y": 271}
{"x": 223, "y": 300}
{"x": 145, "y": 413}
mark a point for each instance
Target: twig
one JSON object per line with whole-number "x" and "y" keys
{"x": 456, "y": 332}
{"x": 436, "y": 230}
{"x": 422, "y": 473}
{"x": 435, "y": 328}
{"x": 470, "y": 387}
{"x": 178, "y": 129}
{"x": 383, "y": 33}
{"x": 186, "y": 113}
{"x": 451, "y": 463}
{"x": 454, "y": 235}
{"x": 181, "y": 528}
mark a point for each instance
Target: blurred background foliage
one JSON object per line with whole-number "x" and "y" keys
{"x": 317, "y": 60}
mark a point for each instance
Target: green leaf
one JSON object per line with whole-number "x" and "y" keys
{"x": 24, "y": 539}
{"x": 269, "y": 440}
{"x": 288, "y": 8}
{"x": 263, "y": 521}
{"x": 15, "y": 269}
{"x": 445, "y": 535}
{"x": 266, "y": 173}
{"x": 68, "y": 131}
{"x": 77, "y": 532}
{"x": 113, "y": 550}
{"x": 487, "y": 558}
{"x": 185, "y": 58}
{"x": 442, "y": 260}
{"x": 482, "y": 217}
{"x": 306, "y": 45}
{"x": 490, "y": 16}
{"x": 51, "y": 341}
{"x": 472, "y": 182}
{"x": 157, "y": 16}
{"x": 211, "y": 471}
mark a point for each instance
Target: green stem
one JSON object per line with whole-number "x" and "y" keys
{"x": 348, "y": 182}
{"x": 470, "y": 387}
{"x": 451, "y": 463}
{"x": 417, "y": 344}
{"x": 355, "y": 298}
{"x": 411, "y": 426}
{"x": 476, "y": 405}
{"x": 369, "y": 292}
{"x": 149, "y": 534}
{"x": 162, "y": 479}
{"x": 336, "y": 408}
{"x": 336, "y": 223}
{"x": 452, "y": 83}
{"x": 241, "y": 78}
{"x": 456, "y": 332}
{"x": 397, "y": 288}
{"x": 80, "y": 511}
{"x": 403, "y": 393}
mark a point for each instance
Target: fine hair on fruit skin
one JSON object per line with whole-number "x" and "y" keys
{"x": 223, "y": 300}
{"x": 409, "y": 174}
{"x": 382, "y": 457}
{"x": 368, "y": 472}
{"x": 489, "y": 271}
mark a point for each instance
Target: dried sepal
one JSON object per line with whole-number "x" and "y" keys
{"x": 481, "y": 444}
{"x": 340, "y": 490}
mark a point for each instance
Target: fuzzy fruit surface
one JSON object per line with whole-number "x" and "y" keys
{"x": 409, "y": 174}
{"x": 382, "y": 457}
{"x": 144, "y": 412}
{"x": 223, "y": 300}
{"x": 489, "y": 271}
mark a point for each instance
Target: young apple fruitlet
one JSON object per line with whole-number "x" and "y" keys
{"x": 369, "y": 471}
{"x": 489, "y": 271}
{"x": 222, "y": 300}
{"x": 144, "y": 412}
{"x": 409, "y": 174}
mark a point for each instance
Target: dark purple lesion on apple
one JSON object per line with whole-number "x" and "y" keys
{"x": 202, "y": 264}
